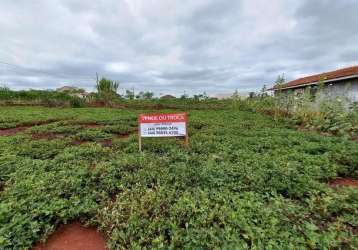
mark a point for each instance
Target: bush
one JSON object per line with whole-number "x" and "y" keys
{"x": 326, "y": 114}
{"x": 77, "y": 102}
{"x": 38, "y": 97}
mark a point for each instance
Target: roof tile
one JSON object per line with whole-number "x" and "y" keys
{"x": 323, "y": 76}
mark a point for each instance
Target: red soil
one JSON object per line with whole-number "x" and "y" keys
{"x": 113, "y": 197}
{"x": 92, "y": 167}
{"x": 46, "y": 136}
{"x": 12, "y": 131}
{"x": 23, "y": 127}
{"x": 73, "y": 236}
{"x": 343, "y": 182}
{"x": 123, "y": 136}
{"x": 79, "y": 142}
{"x": 37, "y": 123}
{"x": 106, "y": 143}
{"x": 91, "y": 125}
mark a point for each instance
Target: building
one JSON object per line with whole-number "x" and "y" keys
{"x": 223, "y": 96}
{"x": 67, "y": 89}
{"x": 73, "y": 91}
{"x": 337, "y": 83}
{"x": 167, "y": 97}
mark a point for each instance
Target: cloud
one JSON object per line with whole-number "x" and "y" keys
{"x": 173, "y": 46}
{"x": 117, "y": 67}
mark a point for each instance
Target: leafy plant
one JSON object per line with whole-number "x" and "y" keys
{"x": 246, "y": 180}
{"x": 107, "y": 89}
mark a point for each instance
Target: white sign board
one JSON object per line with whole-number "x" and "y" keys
{"x": 163, "y": 125}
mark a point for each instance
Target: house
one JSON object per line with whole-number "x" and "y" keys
{"x": 67, "y": 89}
{"x": 337, "y": 83}
{"x": 236, "y": 94}
{"x": 73, "y": 91}
{"x": 223, "y": 96}
{"x": 167, "y": 97}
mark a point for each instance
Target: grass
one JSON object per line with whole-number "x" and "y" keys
{"x": 246, "y": 181}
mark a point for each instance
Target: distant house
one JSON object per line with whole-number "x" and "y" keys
{"x": 341, "y": 82}
{"x": 223, "y": 96}
{"x": 67, "y": 89}
{"x": 236, "y": 94}
{"x": 73, "y": 91}
{"x": 167, "y": 97}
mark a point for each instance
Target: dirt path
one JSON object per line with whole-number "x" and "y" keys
{"x": 45, "y": 136}
{"x": 24, "y": 126}
{"x": 13, "y": 131}
{"x": 348, "y": 182}
{"x": 91, "y": 125}
{"x": 73, "y": 236}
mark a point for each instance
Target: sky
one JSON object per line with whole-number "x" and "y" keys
{"x": 173, "y": 46}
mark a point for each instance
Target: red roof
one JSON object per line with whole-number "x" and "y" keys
{"x": 168, "y": 97}
{"x": 346, "y": 72}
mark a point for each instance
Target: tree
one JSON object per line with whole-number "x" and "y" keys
{"x": 200, "y": 97}
{"x": 184, "y": 96}
{"x": 280, "y": 80}
{"x": 107, "y": 88}
{"x": 263, "y": 92}
{"x": 139, "y": 95}
{"x": 252, "y": 95}
{"x": 148, "y": 95}
{"x": 129, "y": 94}
{"x": 235, "y": 95}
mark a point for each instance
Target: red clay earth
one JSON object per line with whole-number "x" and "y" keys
{"x": 344, "y": 182}
{"x": 23, "y": 127}
{"x": 12, "y": 131}
{"x": 106, "y": 143}
{"x": 73, "y": 236}
{"x": 79, "y": 142}
{"x": 91, "y": 125}
{"x": 46, "y": 136}
{"x": 123, "y": 136}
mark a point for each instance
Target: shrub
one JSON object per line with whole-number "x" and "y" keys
{"x": 77, "y": 102}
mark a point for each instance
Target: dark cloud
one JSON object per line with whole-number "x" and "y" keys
{"x": 173, "y": 46}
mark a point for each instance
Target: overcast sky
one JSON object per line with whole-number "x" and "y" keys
{"x": 172, "y": 46}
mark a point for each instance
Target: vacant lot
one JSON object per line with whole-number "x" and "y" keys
{"x": 244, "y": 182}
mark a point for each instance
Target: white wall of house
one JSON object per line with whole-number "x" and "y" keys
{"x": 346, "y": 89}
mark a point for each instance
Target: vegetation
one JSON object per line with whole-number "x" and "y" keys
{"x": 147, "y": 95}
{"x": 39, "y": 97}
{"x": 311, "y": 110}
{"x": 246, "y": 181}
{"x": 107, "y": 89}
{"x": 280, "y": 80}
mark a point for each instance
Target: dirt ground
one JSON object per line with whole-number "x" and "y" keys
{"x": 45, "y": 136}
{"x": 12, "y": 131}
{"x": 344, "y": 182}
{"x": 73, "y": 236}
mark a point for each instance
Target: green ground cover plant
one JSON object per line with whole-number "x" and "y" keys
{"x": 247, "y": 181}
